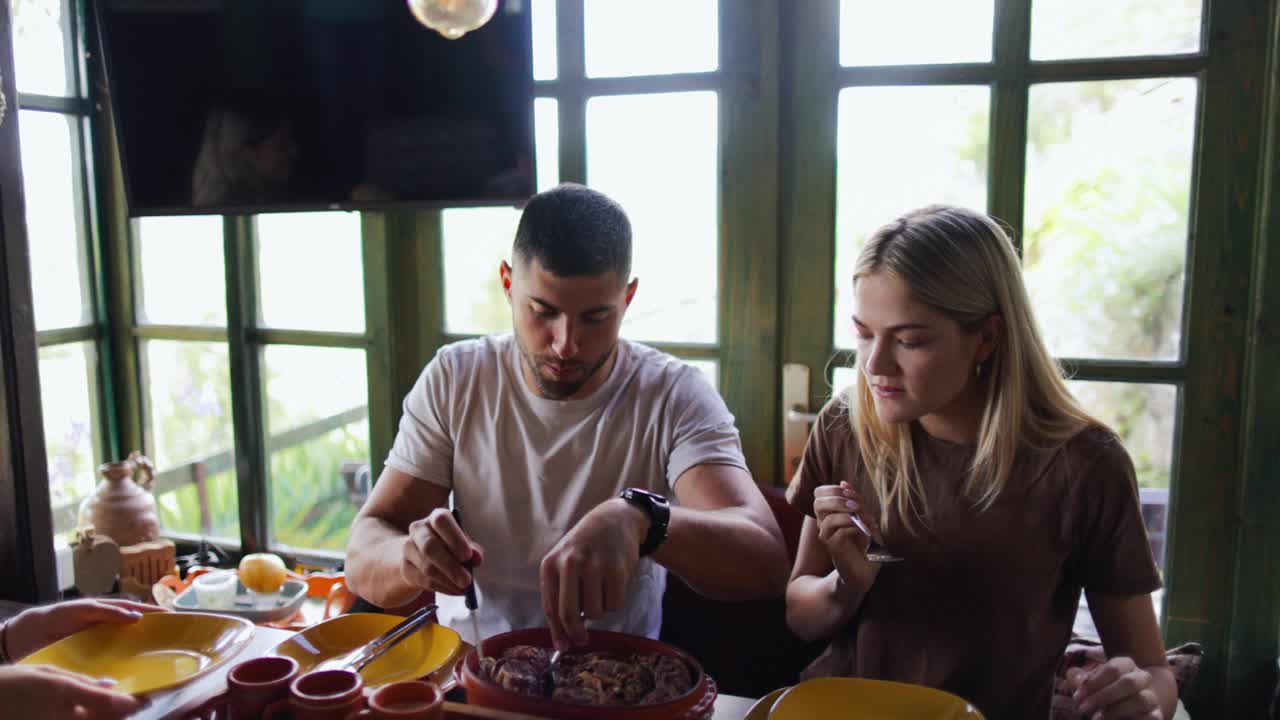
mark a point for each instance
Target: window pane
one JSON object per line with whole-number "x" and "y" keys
{"x": 316, "y": 441}
{"x": 545, "y": 65}
{"x": 183, "y": 275}
{"x": 915, "y": 33}
{"x": 1144, "y": 416}
{"x": 656, "y": 37}
{"x": 899, "y": 148}
{"x": 843, "y": 375}
{"x": 657, "y": 156}
{"x": 51, "y": 176}
{"x": 40, "y": 47}
{"x": 546, "y": 141}
{"x": 310, "y": 271}
{"x": 476, "y": 241}
{"x": 710, "y": 369}
{"x": 189, "y": 431}
{"x": 68, "y": 390}
{"x": 1113, "y": 28}
{"x": 1107, "y": 212}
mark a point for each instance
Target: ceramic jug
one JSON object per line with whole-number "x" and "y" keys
{"x": 122, "y": 507}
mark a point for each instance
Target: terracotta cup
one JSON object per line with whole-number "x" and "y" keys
{"x": 321, "y": 695}
{"x": 408, "y": 700}
{"x": 254, "y": 684}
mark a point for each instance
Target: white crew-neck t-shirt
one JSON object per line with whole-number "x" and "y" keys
{"x": 524, "y": 469}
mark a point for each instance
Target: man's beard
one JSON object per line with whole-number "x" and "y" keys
{"x": 560, "y": 389}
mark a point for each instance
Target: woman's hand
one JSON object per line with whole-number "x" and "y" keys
{"x": 33, "y": 629}
{"x": 832, "y": 507}
{"x": 1116, "y": 690}
{"x": 38, "y": 692}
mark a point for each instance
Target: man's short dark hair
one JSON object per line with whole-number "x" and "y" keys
{"x": 573, "y": 230}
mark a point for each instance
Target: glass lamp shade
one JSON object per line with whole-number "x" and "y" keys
{"x": 453, "y": 18}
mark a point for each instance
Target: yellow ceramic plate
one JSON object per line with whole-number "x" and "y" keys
{"x": 159, "y": 651}
{"x": 760, "y": 710}
{"x": 423, "y": 653}
{"x": 869, "y": 700}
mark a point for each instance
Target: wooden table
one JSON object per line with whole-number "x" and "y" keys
{"x": 173, "y": 704}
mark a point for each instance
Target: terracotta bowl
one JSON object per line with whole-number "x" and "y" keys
{"x": 693, "y": 705}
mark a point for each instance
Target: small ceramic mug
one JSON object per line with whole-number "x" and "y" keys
{"x": 216, "y": 590}
{"x": 254, "y": 684}
{"x": 321, "y": 695}
{"x": 408, "y": 700}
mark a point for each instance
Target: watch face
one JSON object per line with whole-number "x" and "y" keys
{"x": 635, "y": 494}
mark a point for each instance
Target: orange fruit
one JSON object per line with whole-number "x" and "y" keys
{"x": 262, "y": 572}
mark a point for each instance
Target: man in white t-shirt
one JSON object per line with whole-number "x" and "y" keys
{"x": 561, "y": 445}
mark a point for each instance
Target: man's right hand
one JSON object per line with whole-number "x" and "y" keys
{"x": 436, "y": 553}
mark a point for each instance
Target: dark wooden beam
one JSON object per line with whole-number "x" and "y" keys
{"x": 749, "y": 251}
{"x": 119, "y": 368}
{"x": 1253, "y": 633}
{"x": 807, "y": 205}
{"x": 248, "y": 404}
{"x": 572, "y": 105}
{"x": 1007, "y": 144}
{"x": 1205, "y": 522}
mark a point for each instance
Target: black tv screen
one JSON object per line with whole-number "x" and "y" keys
{"x": 240, "y": 106}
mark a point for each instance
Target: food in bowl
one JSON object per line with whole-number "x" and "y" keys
{"x": 592, "y": 678}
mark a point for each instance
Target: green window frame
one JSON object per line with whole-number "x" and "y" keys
{"x": 1227, "y": 160}
{"x": 34, "y": 573}
{"x": 746, "y": 86}
{"x": 777, "y": 83}
{"x": 246, "y": 340}
{"x": 79, "y": 110}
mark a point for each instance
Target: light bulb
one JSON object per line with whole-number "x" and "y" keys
{"x": 453, "y": 18}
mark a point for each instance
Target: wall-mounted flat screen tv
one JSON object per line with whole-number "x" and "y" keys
{"x": 247, "y": 106}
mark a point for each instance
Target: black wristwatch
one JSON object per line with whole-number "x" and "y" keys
{"x": 659, "y": 512}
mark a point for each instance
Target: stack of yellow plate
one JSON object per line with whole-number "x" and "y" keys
{"x": 424, "y": 652}
{"x": 862, "y": 699}
{"x": 159, "y": 651}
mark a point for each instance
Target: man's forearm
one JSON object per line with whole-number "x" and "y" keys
{"x": 372, "y": 568}
{"x": 726, "y": 554}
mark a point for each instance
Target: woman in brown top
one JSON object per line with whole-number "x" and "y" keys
{"x": 961, "y": 449}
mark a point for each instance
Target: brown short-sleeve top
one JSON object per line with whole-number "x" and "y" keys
{"x": 983, "y": 603}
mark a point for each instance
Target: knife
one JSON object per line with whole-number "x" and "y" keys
{"x": 472, "y": 603}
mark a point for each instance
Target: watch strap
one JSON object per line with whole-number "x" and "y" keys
{"x": 659, "y": 512}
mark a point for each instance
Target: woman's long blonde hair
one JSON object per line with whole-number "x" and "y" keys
{"x": 962, "y": 264}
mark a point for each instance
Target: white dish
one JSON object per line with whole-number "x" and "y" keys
{"x": 215, "y": 590}
{"x": 251, "y": 607}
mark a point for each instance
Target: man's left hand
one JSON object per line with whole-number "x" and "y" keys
{"x": 585, "y": 575}
{"x": 40, "y": 626}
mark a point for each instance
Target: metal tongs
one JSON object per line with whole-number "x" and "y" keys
{"x": 376, "y": 648}
{"x": 472, "y": 603}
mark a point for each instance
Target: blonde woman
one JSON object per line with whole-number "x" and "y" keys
{"x": 961, "y": 450}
